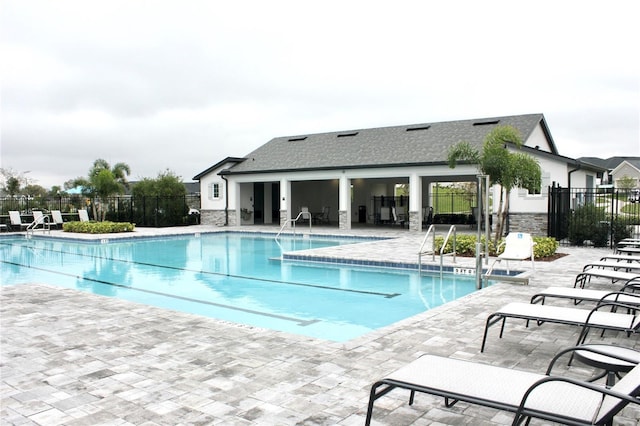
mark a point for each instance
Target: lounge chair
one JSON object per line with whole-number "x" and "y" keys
{"x": 621, "y": 258}
{"x": 83, "y": 215}
{"x": 597, "y": 317}
{"x": 56, "y": 215}
{"x": 579, "y": 295}
{"x": 16, "y": 220}
{"x": 585, "y": 276}
{"x": 528, "y": 395}
{"x": 517, "y": 246}
{"x": 616, "y": 266}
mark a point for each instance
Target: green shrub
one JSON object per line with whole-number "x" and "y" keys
{"x": 600, "y": 235}
{"x": 620, "y": 230}
{"x": 98, "y": 227}
{"x": 545, "y": 246}
{"x": 466, "y": 246}
{"x": 585, "y": 224}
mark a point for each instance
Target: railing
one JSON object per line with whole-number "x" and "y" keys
{"x": 452, "y": 229}
{"x": 301, "y": 215}
{"x": 430, "y": 232}
{"x": 148, "y": 211}
{"x": 40, "y": 220}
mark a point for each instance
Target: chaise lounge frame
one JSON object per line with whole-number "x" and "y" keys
{"x": 528, "y": 395}
{"x": 578, "y": 295}
{"x": 585, "y": 318}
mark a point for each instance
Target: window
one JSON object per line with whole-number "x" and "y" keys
{"x": 214, "y": 191}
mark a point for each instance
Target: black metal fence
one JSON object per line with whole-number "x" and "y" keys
{"x": 142, "y": 211}
{"x": 598, "y": 217}
{"x": 447, "y": 207}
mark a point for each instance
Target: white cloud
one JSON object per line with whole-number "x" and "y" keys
{"x": 181, "y": 85}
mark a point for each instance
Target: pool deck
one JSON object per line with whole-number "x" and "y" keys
{"x": 72, "y": 358}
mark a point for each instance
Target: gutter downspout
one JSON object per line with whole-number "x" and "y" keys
{"x": 569, "y": 175}
{"x": 226, "y": 200}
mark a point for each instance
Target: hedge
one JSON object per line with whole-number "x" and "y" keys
{"x": 466, "y": 246}
{"x": 98, "y": 227}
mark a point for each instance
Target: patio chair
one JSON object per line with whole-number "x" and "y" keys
{"x": 16, "y": 220}
{"x": 529, "y": 395}
{"x": 398, "y": 219}
{"x": 56, "y": 215}
{"x": 597, "y": 317}
{"x": 83, "y": 215}
{"x": 517, "y": 246}
{"x": 322, "y": 217}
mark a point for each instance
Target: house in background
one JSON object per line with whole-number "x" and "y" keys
{"x": 615, "y": 168}
{"x": 351, "y": 176}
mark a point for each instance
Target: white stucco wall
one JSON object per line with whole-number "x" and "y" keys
{"x": 206, "y": 201}
{"x": 537, "y": 138}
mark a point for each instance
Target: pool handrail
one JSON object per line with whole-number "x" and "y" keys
{"x": 294, "y": 221}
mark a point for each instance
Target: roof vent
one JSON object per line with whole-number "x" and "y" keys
{"x": 297, "y": 138}
{"x": 346, "y": 135}
{"x": 411, "y": 129}
{"x": 484, "y": 123}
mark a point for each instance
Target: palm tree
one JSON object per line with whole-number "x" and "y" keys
{"x": 103, "y": 182}
{"x": 505, "y": 168}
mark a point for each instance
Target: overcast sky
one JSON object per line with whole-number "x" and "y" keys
{"x": 180, "y": 85}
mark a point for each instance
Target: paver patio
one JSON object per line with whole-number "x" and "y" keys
{"x": 73, "y": 358}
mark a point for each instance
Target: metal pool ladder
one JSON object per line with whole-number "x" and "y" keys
{"x": 44, "y": 221}
{"x": 431, "y": 232}
{"x": 301, "y": 215}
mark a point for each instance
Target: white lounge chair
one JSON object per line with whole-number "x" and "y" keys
{"x": 529, "y": 395}
{"x": 16, "y": 220}
{"x": 616, "y": 266}
{"x": 83, "y": 215}
{"x": 597, "y": 317}
{"x": 56, "y": 215}
{"x": 585, "y": 276}
{"x": 579, "y": 295}
{"x": 621, "y": 258}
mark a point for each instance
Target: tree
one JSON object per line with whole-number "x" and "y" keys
{"x": 626, "y": 183}
{"x": 11, "y": 181}
{"x": 505, "y": 168}
{"x": 167, "y": 195}
{"x": 167, "y": 184}
{"x": 103, "y": 182}
{"x": 33, "y": 190}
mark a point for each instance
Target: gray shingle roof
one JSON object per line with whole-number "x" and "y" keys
{"x": 611, "y": 162}
{"x": 425, "y": 143}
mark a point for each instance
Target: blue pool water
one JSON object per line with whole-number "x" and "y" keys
{"x": 236, "y": 277}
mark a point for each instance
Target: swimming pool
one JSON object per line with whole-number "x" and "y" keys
{"x": 236, "y": 277}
